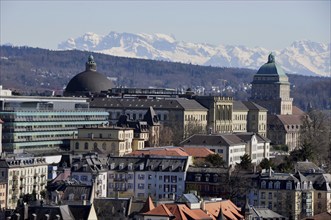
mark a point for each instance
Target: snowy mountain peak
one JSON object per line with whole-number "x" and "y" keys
{"x": 302, "y": 57}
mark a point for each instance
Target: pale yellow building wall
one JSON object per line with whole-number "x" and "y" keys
{"x": 239, "y": 121}
{"x": 322, "y": 202}
{"x": 114, "y": 141}
{"x": 23, "y": 180}
{"x": 3, "y": 195}
{"x": 194, "y": 122}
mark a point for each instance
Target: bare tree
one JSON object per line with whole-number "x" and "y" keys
{"x": 315, "y": 132}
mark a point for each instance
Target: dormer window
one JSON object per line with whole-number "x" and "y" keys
{"x": 270, "y": 185}
{"x": 197, "y": 177}
{"x": 207, "y": 177}
{"x": 112, "y": 166}
{"x": 71, "y": 196}
{"x": 121, "y": 166}
{"x": 141, "y": 166}
{"x": 130, "y": 166}
{"x": 277, "y": 185}
{"x": 263, "y": 184}
{"x": 289, "y": 185}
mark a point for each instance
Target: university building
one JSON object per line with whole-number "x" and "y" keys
{"x": 32, "y": 123}
{"x": 271, "y": 89}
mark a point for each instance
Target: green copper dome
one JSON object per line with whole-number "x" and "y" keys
{"x": 271, "y": 67}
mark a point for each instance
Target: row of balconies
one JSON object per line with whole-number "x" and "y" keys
{"x": 83, "y": 118}
{"x": 31, "y": 138}
{"x": 39, "y": 129}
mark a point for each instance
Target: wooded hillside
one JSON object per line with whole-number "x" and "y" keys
{"x": 33, "y": 70}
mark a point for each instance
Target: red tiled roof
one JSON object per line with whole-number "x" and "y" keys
{"x": 160, "y": 210}
{"x": 197, "y": 151}
{"x": 182, "y": 212}
{"x": 173, "y": 151}
{"x": 229, "y": 210}
{"x": 321, "y": 216}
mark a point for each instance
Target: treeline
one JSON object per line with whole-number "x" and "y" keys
{"x": 32, "y": 70}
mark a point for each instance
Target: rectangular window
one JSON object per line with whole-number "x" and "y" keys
{"x": 141, "y": 176}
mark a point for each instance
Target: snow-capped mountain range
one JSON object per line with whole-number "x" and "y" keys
{"x": 302, "y": 57}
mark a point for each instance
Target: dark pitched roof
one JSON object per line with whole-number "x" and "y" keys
{"x": 151, "y": 117}
{"x": 190, "y": 104}
{"x": 239, "y": 106}
{"x": 214, "y": 139}
{"x": 136, "y": 103}
{"x": 111, "y": 208}
{"x": 307, "y": 167}
{"x": 253, "y": 106}
{"x": 155, "y": 163}
{"x": 228, "y": 139}
{"x": 53, "y": 211}
{"x": 80, "y": 211}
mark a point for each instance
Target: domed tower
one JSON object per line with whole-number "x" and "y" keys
{"x": 271, "y": 88}
{"x": 88, "y": 82}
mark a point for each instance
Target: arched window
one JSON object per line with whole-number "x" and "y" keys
{"x": 77, "y": 145}
{"x": 277, "y": 185}
{"x": 270, "y": 185}
{"x": 86, "y": 146}
{"x": 95, "y": 144}
{"x": 263, "y": 185}
{"x": 104, "y": 145}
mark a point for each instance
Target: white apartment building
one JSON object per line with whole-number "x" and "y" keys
{"x": 24, "y": 175}
{"x": 232, "y": 146}
{"x": 161, "y": 177}
{"x": 91, "y": 170}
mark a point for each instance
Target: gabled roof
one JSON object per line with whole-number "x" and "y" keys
{"x": 160, "y": 210}
{"x": 285, "y": 120}
{"x": 148, "y": 206}
{"x": 182, "y": 212}
{"x": 225, "y": 207}
{"x": 151, "y": 117}
{"x": 297, "y": 111}
{"x": 239, "y": 106}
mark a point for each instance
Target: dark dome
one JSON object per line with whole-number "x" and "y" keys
{"x": 89, "y": 81}
{"x": 271, "y": 68}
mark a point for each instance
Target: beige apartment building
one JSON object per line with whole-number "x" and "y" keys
{"x": 116, "y": 141}
{"x": 23, "y": 175}
{"x": 3, "y": 194}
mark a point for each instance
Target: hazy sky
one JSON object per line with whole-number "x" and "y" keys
{"x": 270, "y": 24}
